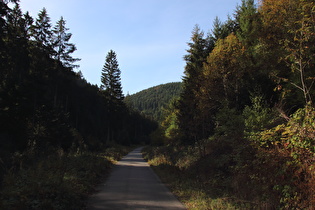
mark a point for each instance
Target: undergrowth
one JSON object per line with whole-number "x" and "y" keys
{"x": 269, "y": 166}
{"x": 57, "y": 181}
{"x": 190, "y": 180}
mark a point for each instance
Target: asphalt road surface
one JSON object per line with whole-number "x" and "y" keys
{"x": 133, "y": 185}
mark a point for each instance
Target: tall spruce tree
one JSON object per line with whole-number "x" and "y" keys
{"x": 42, "y": 33}
{"x": 222, "y": 30}
{"x": 18, "y": 25}
{"x": 249, "y": 23}
{"x": 190, "y": 118}
{"x": 112, "y": 92}
{"x": 13, "y": 80}
{"x": 63, "y": 49}
{"x": 111, "y": 77}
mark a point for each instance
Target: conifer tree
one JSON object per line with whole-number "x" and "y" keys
{"x": 222, "y": 30}
{"x": 111, "y": 77}
{"x": 42, "y": 33}
{"x": 112, "y": 92}
{"x": 14, "y": 74}
{"x": 189, "y": 117}
{"x": 17, "y": 42}
{"x": 4, "y": 9}
{"x": 249, "y": 23}
{"x": 63, "y": 49}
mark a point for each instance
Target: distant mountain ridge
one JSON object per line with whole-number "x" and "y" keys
{"x": 151, "y": 101}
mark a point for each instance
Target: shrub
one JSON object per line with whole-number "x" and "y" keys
{"x": 59, "y": 181}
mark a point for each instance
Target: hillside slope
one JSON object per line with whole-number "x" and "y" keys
{"x": 151, "y": 101}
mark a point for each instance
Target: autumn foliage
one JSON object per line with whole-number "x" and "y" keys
{"x": 251, "y": 106}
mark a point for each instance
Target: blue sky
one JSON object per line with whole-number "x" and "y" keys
{"x": 149, "y": 36}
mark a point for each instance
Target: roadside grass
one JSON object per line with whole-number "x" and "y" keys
{"x": 192, "y": 188}
{"x": 58, "y": 181}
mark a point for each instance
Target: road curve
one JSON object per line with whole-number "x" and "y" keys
{"x": 133, "y": 185}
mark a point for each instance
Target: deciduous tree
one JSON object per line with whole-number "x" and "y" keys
{"x": 288, "y": 31}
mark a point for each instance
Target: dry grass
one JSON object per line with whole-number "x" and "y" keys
{"x": 190, "y": 189}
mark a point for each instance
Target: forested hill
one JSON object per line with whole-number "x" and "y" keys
{"x": 151, "y": 101}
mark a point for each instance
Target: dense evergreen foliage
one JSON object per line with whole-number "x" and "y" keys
{"x": 45, "y": 106}
{"x": 246, "y": 109}
{"x": 110, "y": 78}
{"x": 152, "y": 101}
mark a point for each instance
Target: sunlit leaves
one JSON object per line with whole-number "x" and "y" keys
{"x": 289, "y": 26}
{"x": 226, "y": 66}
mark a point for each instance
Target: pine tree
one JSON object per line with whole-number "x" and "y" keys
{"x": 13, "y": 76}
{"x": 42, "y": 33}
{"x": 4, "y": 9}
{"x": 112, "y": 93}
{"x": 249, "y": 23}
{"x": 17, "y": 42}
{"x": 63, "y": 49}
{"x": 189, "y": 117}
{"x": 222, "y": 30}
{"x": 111, "y": 77}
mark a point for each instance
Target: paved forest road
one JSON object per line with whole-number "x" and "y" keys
{"x": 133, "y": 185}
